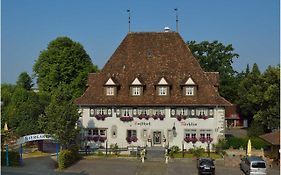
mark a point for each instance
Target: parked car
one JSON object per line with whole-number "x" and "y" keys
{"x": 253, "y": 165}
{"x": 206, "y": 166}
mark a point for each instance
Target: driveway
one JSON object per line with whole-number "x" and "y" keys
{"x": 110, "y": 166}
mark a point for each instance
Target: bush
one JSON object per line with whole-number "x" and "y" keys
{"x": 237, "y": 142}
{"x": 174, "y": 150}
{"x": 14, "y": 158}
{"x": 197, "y": 152}
{"x": 114, "y": 149}
{"x": 67, "y": 158}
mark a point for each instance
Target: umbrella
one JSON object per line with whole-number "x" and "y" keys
{"x": 6, "y": 127}
{"x": 249, "y": 148}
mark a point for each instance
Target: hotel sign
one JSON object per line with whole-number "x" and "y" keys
{"x": 188, "y": 124}
{"x": 34, "y": 137}
{"x": 142, "y": 123}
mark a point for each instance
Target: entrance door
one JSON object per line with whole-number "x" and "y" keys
{"x": 157, "y": 137}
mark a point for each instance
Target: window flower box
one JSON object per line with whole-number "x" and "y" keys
{"x": 203, "y": 117}
{"x": 161, "y": 117}
{"x": 102, "y": 138}
{"x": 126, "y": 118}
{"x": 100, "y": 117}
{"x": 184, "y": 117}
{"x": 155, "y": 117}
{"x": 209, "y": 139}
{"x": 202, "y": 139}
{"x": 187, "y": 139}
{"x": 194, "y": 140}
{"x": 96, "y": 138}
{"x": 179, "y": 117}
{"x": 131, "y": 139}
{"x": 143, "y": 116}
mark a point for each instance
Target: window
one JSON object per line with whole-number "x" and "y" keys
{"x": 102, "y": 132}
{"x": 95, "y": 132}
{"x": 136, "y": 91}
{"x": 162, "y": 90}
{"x": 89, "y": 132}
{"x": 110, "y": 91}
{"x": 189, "y": 91}
{"x": 92, "y": 112}
{"x": 131, "y": 133}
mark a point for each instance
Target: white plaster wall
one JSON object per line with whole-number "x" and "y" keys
{"x": 215, "y": 124}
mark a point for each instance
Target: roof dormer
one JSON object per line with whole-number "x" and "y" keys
{"x": 189, "y": 87}
{"x": 163, "y": 81}
{"x": 136, "y": 82}
{"x": 110, "y": 82}
{"x": 136, "y": 87}
{"x": 110, "y": 87}
{"x": 163, "y": 87}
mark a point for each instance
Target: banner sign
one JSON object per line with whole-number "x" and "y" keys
{"x": 34, "y": 137}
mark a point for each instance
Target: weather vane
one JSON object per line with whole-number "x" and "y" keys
{"x": 177, "y": 20}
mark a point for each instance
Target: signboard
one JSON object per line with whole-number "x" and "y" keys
{"x": 34, "y": 137}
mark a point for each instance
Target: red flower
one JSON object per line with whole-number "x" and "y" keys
{"x": 102, "y": 139}
{"x": 209, "y": 139}
{"x": 202, "y": 139}
{"x": 194, "y": 140}
{"x": 187, "y": 139}
{"x": 95, "y": 138}
{"x": 155, "y": 117}
{"x": 126, "y": 118}
{"x": 161, "y": 117}
{"x": 179, "y": 118}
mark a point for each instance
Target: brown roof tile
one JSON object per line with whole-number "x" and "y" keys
{"x": 151, "y": 56}
{"x": 273, "y": 137}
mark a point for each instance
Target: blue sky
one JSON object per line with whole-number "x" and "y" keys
{"x": 252, "y": 27}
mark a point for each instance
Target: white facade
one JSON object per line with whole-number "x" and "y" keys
{"x": 151, "y": 132}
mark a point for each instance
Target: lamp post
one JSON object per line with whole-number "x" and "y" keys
{"x": 209, "y": 140}
{"x": 174, "y": 130}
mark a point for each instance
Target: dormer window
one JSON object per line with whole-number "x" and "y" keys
{"x": 163, "y": 87}
{"x": 136, "y": 87}
{"x": 110, "y": 91}
{"x": 162, "y": 90}
{"x": 189, "y": 90}
{"x": 189, "y": 87}
{"x": 136, "y": 91}
{"x": 110, "y": 87}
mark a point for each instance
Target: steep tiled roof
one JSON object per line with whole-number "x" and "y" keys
{"x": 151, "y": 56}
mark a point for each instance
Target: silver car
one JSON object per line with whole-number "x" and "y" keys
{"x": 253, "y": 165}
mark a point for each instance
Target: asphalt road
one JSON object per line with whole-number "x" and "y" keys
{"x": 46, "y": 166}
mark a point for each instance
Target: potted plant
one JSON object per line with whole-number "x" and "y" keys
{"x": 187, "y": 139}
{"x": 95, "y": 138}
{"x": 194, "y": 140}
{"x": 161, "y": 117}
{"x": 179, "y": 118}
{"x": 102, "y": 138}
{"x": 202, "y": 139}
{"x": 155, "y": 117}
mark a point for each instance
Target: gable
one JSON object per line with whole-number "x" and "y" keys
{"x": 136, "y": 82}
{"x": 110, "y": 82}
{"x": 189, "y": 81}
{"x": 162, "y": 81}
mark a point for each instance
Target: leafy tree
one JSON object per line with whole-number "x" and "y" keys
{"x": 7, "y": 91}
{"x": 24, "y": 81}
{"x": 216, "y": 57}
{"x": 24, "y": 112}
{"x": 269, "y": 112}
{"x": 60, "y": 118}
{"x": 249, "y": 93}
{"x": 64, "y": 62}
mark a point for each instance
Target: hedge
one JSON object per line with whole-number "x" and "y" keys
{"x": 237, "y": 142}
{"x": 67, "y": 158}
{"x": 14, "y": 158}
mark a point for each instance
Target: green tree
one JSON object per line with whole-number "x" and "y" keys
{"x": 216, "y": 57}
{"x": 250, "y": 93}
{"x": 7, "y": 91}
{"x": 269, "y": 112}
{"x": 60, "y": 118}
{"x": 64, "y": 62}
{"x": 24, "y": 81}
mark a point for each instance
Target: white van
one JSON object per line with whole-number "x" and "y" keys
{"x": 253, "y": 165}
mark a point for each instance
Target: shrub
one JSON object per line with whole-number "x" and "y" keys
{"x": 14, "y": 158}
{"x": 174, "y": 150}
{"x": 197, "y": 152}
{"x": 68, "y": 157}
{"x": 237, "y": 142}
{"x": 114, "y": 149}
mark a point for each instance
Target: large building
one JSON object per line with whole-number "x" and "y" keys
{"x": 152, "y": 92}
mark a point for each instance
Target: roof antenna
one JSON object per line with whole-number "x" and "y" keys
{"x": 177, "y": 20}
{"x": 129, "y": 20}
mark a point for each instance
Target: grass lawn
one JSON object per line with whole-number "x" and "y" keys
{"x": 188, "y": 155}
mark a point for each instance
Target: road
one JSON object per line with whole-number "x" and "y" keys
{"x": 102, "y": 166}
